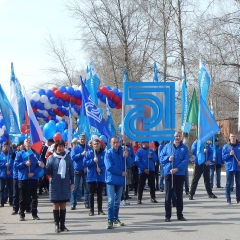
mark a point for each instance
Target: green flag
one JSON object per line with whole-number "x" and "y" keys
{"x": 192, "y": 116}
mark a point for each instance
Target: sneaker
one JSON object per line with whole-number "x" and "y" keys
{"x": 86, "y": 206}
{"x": 228, "y": 201}
{"x": 182, "y": 219}
{"x": 110, "y": 225}
{"x": 101, "y": 213}
{"x": 161, "y": 189}
{"x": 167, "y": 219}
{"x": 190, "y": 197}
{"x": 14, "y": 213}
{"x": 127, "y": 202}
{"x": 123, "y": 203}
{"x": 73, "y": 207}
{"x": 35, "y": 217}
{"x": 153, "y": 200}
{"x": 22, "y": 219}
{"x": 187, "y": 193}
{"x": 212, "y": 196}
{"x": 91, "y": 214}
{"x": 118, "y": 223}
{"x": 139, "y": 202}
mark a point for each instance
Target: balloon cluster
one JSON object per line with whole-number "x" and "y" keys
{"x": 3, "y": 133}
{"x": 113, "y": 95}
{"x": 53, "y": 104}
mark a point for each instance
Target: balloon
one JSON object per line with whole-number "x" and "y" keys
{"x": 4, "y": 128}
{"x": 120, "y": 95}
{"x": 65, "y": 96}
{"x": 57, "y": 136}
{"x": 103, "y": 137}
{"x": 49, "y": 130}
{"x": 99, "y": 94}
{"x": 70, "y": 91}
{"x": 116, "y": 99}
{"x": 115, "y": 90}
{"x": 24, "y": 129}
{"x": 57, "y": 93}
{"x": 60, "y": 127}
{"x": 103, "y": 98}
{"x": 33, "y": 103}
{"x": 59, "y": 102}
{"x": 73, "y": 100}
{"x": 75, "y": 87}
{"x": 52, "y": 100}
{"x": 110, "y": 93}
{"x": 108, "y": 88}
{"x": 78, "y": 94}
{"x": 54, "y": 89}
{"x": 3, "y": 139}
{"x": 120, "y": 127}
{"x": 41, "y": 92}
{"x": 47, "y": 105}
{"x": 43, "y": 99}
{"x": 103, "y": 90}
{"x": 49, "y": 93}
{"x": 62, "y": 89}
{"x": 35, "y": 96}
{"x": 1, "y": 132}
{"x": 40, "y": 105}
{"x": 34, "y": 109}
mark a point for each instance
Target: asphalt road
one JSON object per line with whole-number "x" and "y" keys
{"x": 206, "y": 218}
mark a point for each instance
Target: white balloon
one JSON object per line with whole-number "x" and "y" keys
{"x": 4, "y": 128}
{"x": 45, "y": 113}
{"x": 47, "y": 105}
{"x": 75, "y": 87}
{"x": 1, "y": 132}
{"x": 35, "y": 96}
{"x": 54, "y": 106}
{"x": 43, "y": 99}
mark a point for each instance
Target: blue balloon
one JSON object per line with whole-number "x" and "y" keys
{"x": 77, "y": 94}
{"x": 99, "y": 94}
{"x": 62, "y": 89}
{"x": 59, "y": 102}
{"x": 41, "y": 92}
{"x": 108, "y": 88}
{"x": 60, "y": 127}
{"x": 70, "y": 91}
{"x": 103, "y": 137}
{"x": 120, "y": 95}
{"x": 49, "y": 130}
{"x": 49, "y": 93}
{"x": 33, "y": 103}
{"x": 53, "y": 100}
{"x": 39, "y": 105}
{"x": 65, "y": 103}
{"x": 115, "y": 90}
{"x": 78, "y": 122}
{"x": 103, "y": 98}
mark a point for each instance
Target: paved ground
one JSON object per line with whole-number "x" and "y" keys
{"x": 207, "y": 219}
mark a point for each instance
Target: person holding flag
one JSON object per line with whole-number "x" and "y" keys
{"x": 115, "y": 161}
{"x": 231, "y": 156}
{"x": 28, "y": 169}
{"x": 174, "y": 158}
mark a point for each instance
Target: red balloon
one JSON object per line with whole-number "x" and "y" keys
{"x": 110, "y": 93}
{"x": 57, "y": 136}
{"x": 78, "y": 101}
{"x": 55, "y": 110}
{"x": 34, "y": 109}
{"x": 54, "y": 89}
{"x": 60, "y": 113}
{"x": 73, "y": 100}
{"x": 119, "y": 105}
{"x": 116, "y": 99}
{"x": 57, "y": 94}
{"x": 103, "y": 90}
{"x": 24, "y": 129}
{"x": 65, "y": 96}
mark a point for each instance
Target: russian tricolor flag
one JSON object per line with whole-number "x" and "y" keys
{"x": 36, "y": 135}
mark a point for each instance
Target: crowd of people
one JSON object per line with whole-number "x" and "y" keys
{"x": 90, "y": 167}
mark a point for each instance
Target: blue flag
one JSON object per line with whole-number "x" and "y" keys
{"x": 207, "y": 128}
{"x": 69, "y": 137}
{"x": 155, "y": 74}
{"x": 90, "y": 110}
{"x": 109, "y": 121}
{"x": 204, "y": 80}
{"x": 186, "y": 126}
{"x": 8, "y": 114}
{"x": 92, "y": 83}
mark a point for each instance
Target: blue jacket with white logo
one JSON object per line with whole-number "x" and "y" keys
{"x": 77, "y": 157}
{"x": 180, "y": 155}
{"x": 88, "y": 161}
{"x": 3, "y": 168}
{"x": 208, "y": 156}
{"x": 230, "y": 161}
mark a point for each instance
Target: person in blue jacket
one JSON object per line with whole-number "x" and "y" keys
{"x": 216, "y": 165}
{"x": 77, "y": 154}
{"x": 201, "y": 169}
{"x": 145, "y": 159}
{"x": 115, "y": 161}
{"x": 174, "y": 158}
{"x": 94, "y": 161}
{"x": 28, "y": 169}
{"x": 231, "y": 156}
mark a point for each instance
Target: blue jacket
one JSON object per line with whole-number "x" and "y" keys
{"x": 181, "y": 158}
{"x": 142, "y": 160}
{"x": 77, "y": 158}
{"x": 194, "y": 152}
{"x": 131, "y": 156}
{"x": 115, "y": 165}
{"x": 230, "y": 161}
{"x": 88, "y": 161}
{"x": 22, "y": 168}
{"x": 3, "y": 168}
{"x": 219, "y": 159}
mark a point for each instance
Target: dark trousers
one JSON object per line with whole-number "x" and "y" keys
{"x": 198, "y": 171}
{"x": 8, "y": 193}
{"x": 157, "y": 175}
{"x": 2, "y": 187}
{"x": 15, "y": 195}
{"x": 170, "y": 190}
{"x": 135, "y": 177}
{"x": 151, "y": 184}
{"x": 92, "y": 187}
{"x": 28, "y": 188}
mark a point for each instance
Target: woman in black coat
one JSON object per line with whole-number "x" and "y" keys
{"x": 59, "y": 167}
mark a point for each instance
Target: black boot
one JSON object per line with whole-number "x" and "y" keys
{"x": 56, "y": 220}
{"x": 62, "y": 220}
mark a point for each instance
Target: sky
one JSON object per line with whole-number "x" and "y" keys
{"x": 24, "y": 26}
